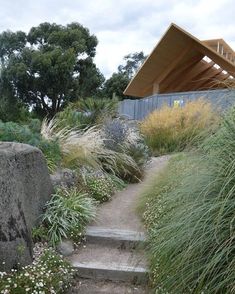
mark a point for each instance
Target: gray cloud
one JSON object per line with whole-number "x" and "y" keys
{"x": 124, "y": 26}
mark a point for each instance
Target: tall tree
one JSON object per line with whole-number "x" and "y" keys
{"x": 117, "y": 83}
{"x": 50, "y": 66}
{"x": 132, "y": 63}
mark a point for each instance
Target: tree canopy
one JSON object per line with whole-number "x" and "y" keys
{"x": 117, "y": 83}
{"x": 49, "y": 66}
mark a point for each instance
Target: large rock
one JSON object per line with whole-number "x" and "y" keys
{"x": 25, "y": 187}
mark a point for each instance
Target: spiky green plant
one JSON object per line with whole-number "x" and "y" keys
{"x": 67, "y": 213}
{"x": 87, "y": 112}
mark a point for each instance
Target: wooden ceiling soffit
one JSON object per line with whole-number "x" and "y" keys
{"x": 180, "y": 71}
{"x": 168, "y": 70}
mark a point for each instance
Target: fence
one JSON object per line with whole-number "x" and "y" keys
{"x": 139, "y": 108}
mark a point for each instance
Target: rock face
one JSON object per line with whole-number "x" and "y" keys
{"x": 64, "y": 178}
{"x": 25, "y": 187}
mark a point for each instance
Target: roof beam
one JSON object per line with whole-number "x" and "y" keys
{"x": 205, "y": 80}
{"x": 195, "y": 71}
{"x": 214, "y": 82}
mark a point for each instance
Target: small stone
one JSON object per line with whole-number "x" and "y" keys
{"x": 64, "y": 178}
{"x": 66, "y": 247}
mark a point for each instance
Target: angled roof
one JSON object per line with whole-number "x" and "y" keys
{"x": 181, "y": 62}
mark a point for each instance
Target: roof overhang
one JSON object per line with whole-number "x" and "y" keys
{"x": 178, "y": 64}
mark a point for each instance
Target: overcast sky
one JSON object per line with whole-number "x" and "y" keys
{"x": 125, "y": 26}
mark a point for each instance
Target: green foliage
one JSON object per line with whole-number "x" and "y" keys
{"x": 14, "y": 132}
{"x": 48, "y": 274}
{"x": 132, "y": 63}
{"x": 115, "y": 85}
{"x": 56, "y": 68}
{"x": 87, "y": 112}
{"x": 67, "y": 214}
{"x": 39, "y": 233}
{"x": 99, "y": 186}
{"x": 118, "y": 82}
{"x": 118, "y": 183}
{"x": 11, "y": 109}
{"x": 190, "y": 219}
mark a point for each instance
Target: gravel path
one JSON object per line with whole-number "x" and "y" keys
{"x": 120, "y": 212}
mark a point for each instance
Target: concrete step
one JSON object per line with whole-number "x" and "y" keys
{"x": 108, "y": 263}
{"x": 124, "y": 239}
{"x": 88, "y": 286}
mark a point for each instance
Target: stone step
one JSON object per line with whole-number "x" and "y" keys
{"x": 88, "y": 286}
{"x": 108, "y": 263}
{"x": 114, "y": 237}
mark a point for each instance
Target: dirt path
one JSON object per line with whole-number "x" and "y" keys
{"x": 120, "y": 212}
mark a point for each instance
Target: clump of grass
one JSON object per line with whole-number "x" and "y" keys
{"x": 87, "y": 148}
{"x": 190, "y": 214}
{"x": 173, "y": 129}
{"x": 67, "y": 213}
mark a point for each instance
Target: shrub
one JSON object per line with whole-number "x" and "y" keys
{"x": 99, "y": 186}
{"x": 67, "y": 213}
{"x": 48, "y": 274}
{"x": 14, "y": 132}
{"x": 87, "y": 112}
{"x": 190, "y": 219}
{"x": 122, "y": 136}
{"x": 173, "y": 129}
{"x": 115, "y": 132}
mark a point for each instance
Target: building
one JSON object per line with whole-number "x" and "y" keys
{"x": 181, "y": 67}
{"x": 180, "y": 62}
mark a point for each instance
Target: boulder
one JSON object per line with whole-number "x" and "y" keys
{"x": 65, "y": 247}
{"x": 25, "y": 187}
{"x": 64, "y": 178}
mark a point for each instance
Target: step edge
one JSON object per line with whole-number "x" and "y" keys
{"x": 116, "y": 234}
{"x": 99, "y": 266}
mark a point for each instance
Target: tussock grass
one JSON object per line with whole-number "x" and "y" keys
{"x": 173, "y": 129}
{"x": 190, "y": 216}
{"x": 87, "y": 147}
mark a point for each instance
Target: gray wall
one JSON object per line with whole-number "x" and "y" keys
{"x": 139, "y": 108}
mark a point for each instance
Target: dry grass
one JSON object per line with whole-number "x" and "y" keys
{"x": 86, "y": 147}
{"x": 172, "y": 129}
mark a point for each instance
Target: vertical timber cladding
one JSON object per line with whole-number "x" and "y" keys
{"x": 138, "y": 109}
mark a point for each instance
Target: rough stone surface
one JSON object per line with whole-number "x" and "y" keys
{"x": 64, "y": 178}
{"x": 25, "y": 187}
{"x": 66, "y": 247}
